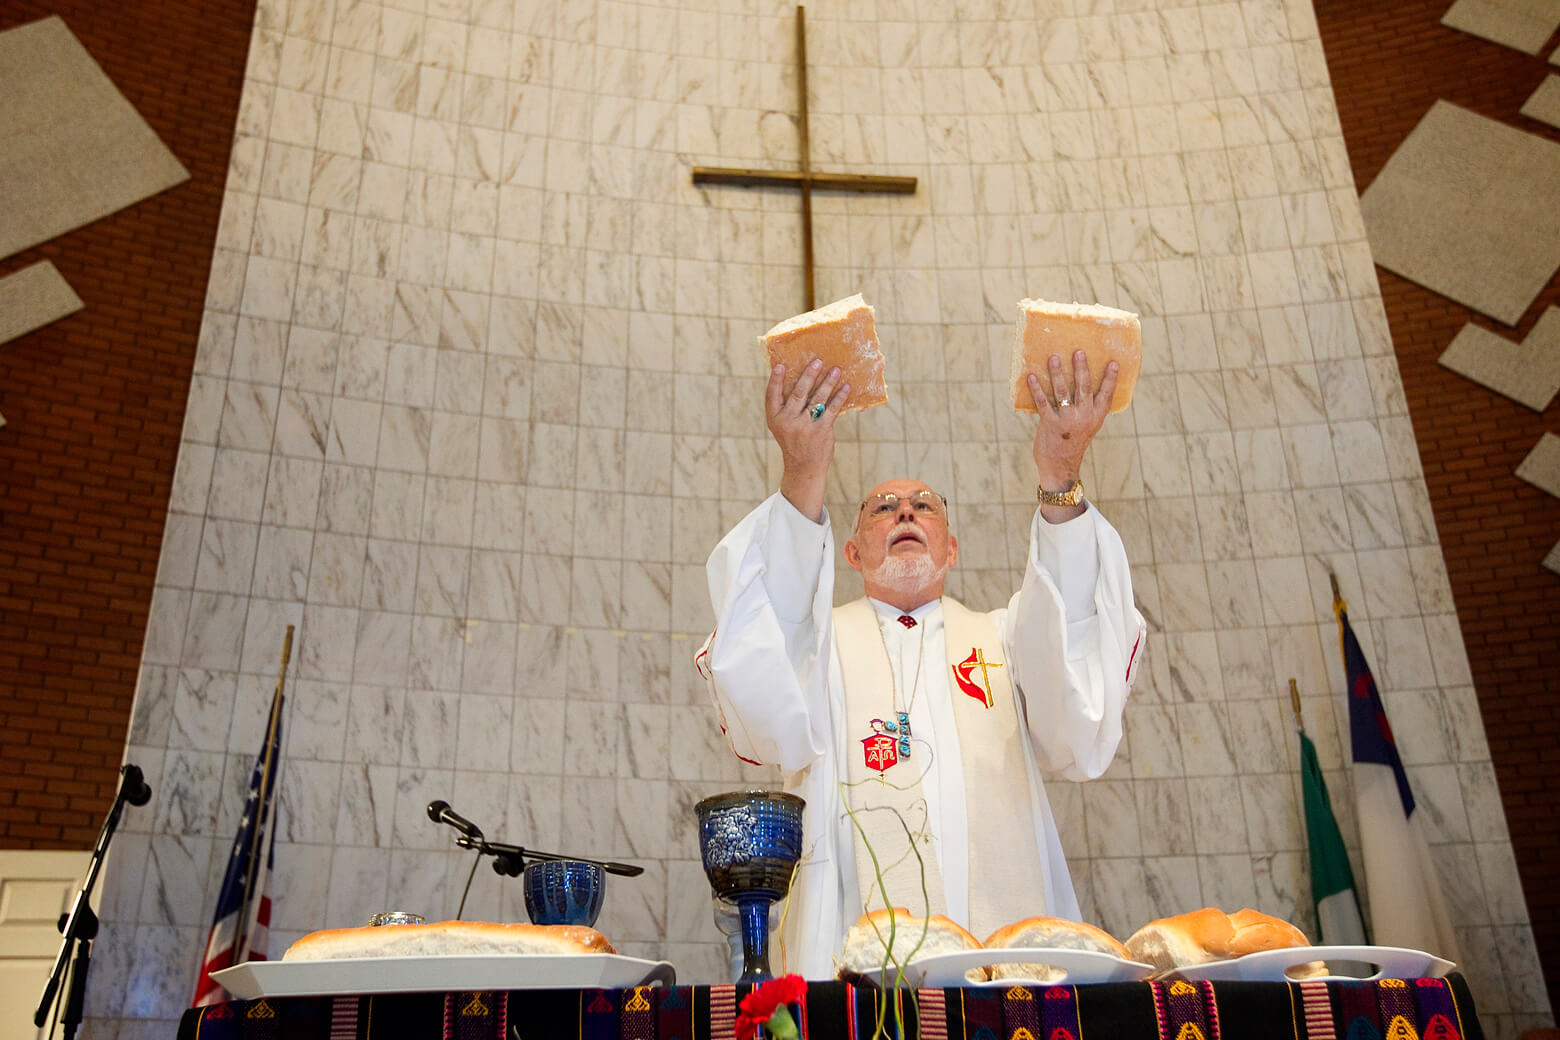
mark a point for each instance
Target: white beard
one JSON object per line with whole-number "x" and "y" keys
{"x": 907, "y": 574}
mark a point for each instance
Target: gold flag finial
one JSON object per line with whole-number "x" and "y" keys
{"x": 287, "y": 652}
{"x": 1294, "y": 703}
{"x": 1338, "y": 603}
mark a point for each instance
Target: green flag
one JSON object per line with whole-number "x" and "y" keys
{"x": 1332, "y": 880}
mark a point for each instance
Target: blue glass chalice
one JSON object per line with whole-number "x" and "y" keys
{"x": 563, "y": 891}
{"x": 751, "y": 842}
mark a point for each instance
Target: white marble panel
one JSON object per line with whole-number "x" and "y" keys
{"x": 365, "y": 807}
{"x": 1218, "y": 821}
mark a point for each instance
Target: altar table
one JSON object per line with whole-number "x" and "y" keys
{"x": 1388, "y": 1009}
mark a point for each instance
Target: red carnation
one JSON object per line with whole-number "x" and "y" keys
{"x": 766, "y": 1007}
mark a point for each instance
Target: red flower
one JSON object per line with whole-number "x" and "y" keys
{"x": 766, "y": 1002}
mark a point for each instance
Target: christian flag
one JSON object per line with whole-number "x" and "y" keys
{"x": 1332, "y": 879}
{"x": 1407, "y": 907}
{"x": 243, "y": 916}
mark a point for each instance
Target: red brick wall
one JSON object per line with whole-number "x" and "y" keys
{"x": 1390, "y": 61}
{"x": 95, "y": 404}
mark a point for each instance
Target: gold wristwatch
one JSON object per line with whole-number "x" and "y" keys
{"x": 1071, "y": 497}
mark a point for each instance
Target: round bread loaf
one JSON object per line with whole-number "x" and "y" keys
{"x": 1210, "y": 934}
{"x": 840, "y": 334}
{"x": 447, "y": 939}
{"x": 1048, "y": 933}
{"x": 1104, "y": 334}
{"x": 868, "y": 938}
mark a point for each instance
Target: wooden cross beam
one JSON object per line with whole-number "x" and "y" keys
{"x": 805, "y": 179}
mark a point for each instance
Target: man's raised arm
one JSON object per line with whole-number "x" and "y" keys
{"x": 771, "y": 584}
{"x": 1074, "y": 633}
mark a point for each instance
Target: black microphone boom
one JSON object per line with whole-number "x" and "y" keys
{"x": 440, "y": 812}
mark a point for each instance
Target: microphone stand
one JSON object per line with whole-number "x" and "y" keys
{"x": 80, "y": 926}
{"x": 510, "y": 860}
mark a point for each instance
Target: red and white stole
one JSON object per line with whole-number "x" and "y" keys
{"x": 1005, "y": 868}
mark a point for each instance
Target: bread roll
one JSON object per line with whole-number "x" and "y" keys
{"x": 447, "y": 939}
{"x": 1104, "y": 334}
{"x": 841, "y": 334}
{"x": 1048, "y": 933}
{"x": 1210, "y": 934}
{"x": 866, "y": 941}
{"x": 1258, "y": 931}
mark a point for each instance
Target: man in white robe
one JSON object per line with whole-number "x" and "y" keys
{"x": 921, "y": 765}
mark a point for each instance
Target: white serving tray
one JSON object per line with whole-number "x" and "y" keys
{"x": 1079, "y": 967}
{"x": 1391, "y": 962}
{"x": 441, "y": 974}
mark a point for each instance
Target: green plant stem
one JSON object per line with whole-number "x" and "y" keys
{"x": 888, "y": 944}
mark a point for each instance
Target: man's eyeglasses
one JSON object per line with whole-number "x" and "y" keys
{"x": 886, "y": 503}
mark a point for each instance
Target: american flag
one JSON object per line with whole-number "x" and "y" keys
{"x": 243, "y": 917}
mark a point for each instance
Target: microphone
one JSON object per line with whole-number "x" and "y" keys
{"x": 440, "y": 812}
{"x": 136, "y": 789}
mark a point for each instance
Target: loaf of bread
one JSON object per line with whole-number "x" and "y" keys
{"x": 867, "y": 940}
{"x": 1210, "y": 934}
{"x": 842, "y": 335}
{"x": 447, "y": 939}
{"x": 1048, "y": 933}
{"x": 1104, "y": 334}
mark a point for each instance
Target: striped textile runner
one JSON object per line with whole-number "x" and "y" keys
{"x": 344, "y": 1018}
{"x": 932, "y": 1007}
{"x": 1316, "y": 1005}
{"x": 723, "y": 1011}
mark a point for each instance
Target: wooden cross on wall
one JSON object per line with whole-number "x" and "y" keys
{"x": 805, "y": 178}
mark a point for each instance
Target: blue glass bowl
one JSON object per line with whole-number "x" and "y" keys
{"x": 564, "y": 891}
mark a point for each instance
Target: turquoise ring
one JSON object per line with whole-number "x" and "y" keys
{"x": 817, "y": 410}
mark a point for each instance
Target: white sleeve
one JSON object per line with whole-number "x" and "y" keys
{"x": 1074, "y": 638}
{"x": 1067, "y": 552}
{"x": 771, "y": 582}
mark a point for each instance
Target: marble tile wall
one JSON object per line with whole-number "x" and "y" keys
{"x": 477, "y": 392}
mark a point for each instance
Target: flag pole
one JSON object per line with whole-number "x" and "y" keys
{"x": 240, "y": 934}
{"x": 1294, "y": 704}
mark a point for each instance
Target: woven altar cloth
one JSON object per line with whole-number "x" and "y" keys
{"x": 1426, "y": 1009}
